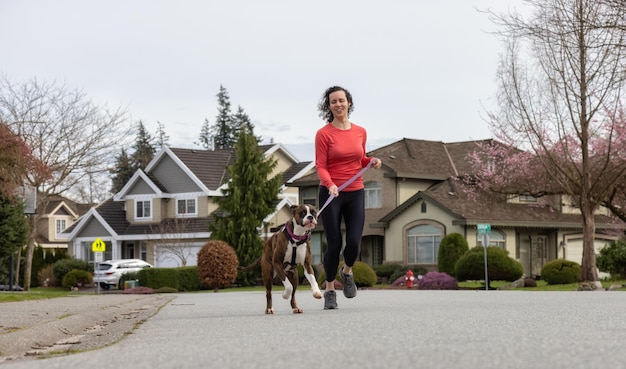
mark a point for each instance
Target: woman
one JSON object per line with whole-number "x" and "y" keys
{"x": 339, "y": 156}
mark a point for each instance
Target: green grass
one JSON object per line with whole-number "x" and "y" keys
{"x": 38, "y": 293}
{"x": 51, "y": 292}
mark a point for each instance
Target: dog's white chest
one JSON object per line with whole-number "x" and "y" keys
{"x": 300, "y": 253}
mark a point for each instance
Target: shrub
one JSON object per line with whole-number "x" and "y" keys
{"x": 401, "y": 271}
{"x": 437, "y": 281}
{"x": 612, "y": 259}
{"x": 560, "y": 271}
{"x": 77, "y": 278}
{"x": 364, "y": 275}
{"x": 47, "y": 277}
{"x": 530, "y": 282}
{"x": 217, "y": 264}
{"x": 386, "y": 270}
{"x": 500, "y": 267}
{"x": 451, "y": 248}
{"x": 64, "y": 266}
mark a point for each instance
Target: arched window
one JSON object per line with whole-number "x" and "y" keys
{"x": 423, "y": 244}
{"x": 373, "y": 195}
{"x": 496, "y": 238}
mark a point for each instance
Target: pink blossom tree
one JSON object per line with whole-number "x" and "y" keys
{"x": 559, "y": 124}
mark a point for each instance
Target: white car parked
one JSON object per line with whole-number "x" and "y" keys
{"x": 109, "y": 272}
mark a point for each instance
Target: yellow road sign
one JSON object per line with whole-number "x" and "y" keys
{"x": 98, "y": 245}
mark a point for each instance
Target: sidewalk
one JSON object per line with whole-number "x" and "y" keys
{"x": 82, "y": 322}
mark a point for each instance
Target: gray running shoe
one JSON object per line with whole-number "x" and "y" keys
{"x": 349, "y": 287}
{"x": 330, "y": 300}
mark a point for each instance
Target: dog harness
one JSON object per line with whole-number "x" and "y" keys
{"x": 296, "y": 241}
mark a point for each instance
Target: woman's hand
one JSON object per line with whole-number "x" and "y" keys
{"x": 333, "y": 191}
{"x": 376, "y": 163}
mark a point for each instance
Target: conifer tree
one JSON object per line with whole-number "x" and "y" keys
{"x": 206, "y": 138}
{"x": 143, "y": 148}
{"x": 122, "y": 172}
{"x": 223, "y": 131}
{"x": 250, "y": 197}
{"x": 162, "y": 139}
{"x": 13, "y": 232}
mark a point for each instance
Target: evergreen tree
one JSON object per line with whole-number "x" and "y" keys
{"x": 205, "y": 139}
{"x": 223, "y": 131}
{"x": 143, "y": 149}
{"x": 122, "y": 172}
{"x": 251, "y": 196}
{"x": 241, "y": 122}
{"x": 162, "y": 139}
{"x": 13, "y": 233}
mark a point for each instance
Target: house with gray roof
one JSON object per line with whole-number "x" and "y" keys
{"x": 416, "y": 199}
{"x": 162, "y": 213}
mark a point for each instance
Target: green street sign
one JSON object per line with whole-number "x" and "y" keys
{"x": 484, "y": 228}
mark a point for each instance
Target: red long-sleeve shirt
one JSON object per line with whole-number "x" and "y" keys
{"x": 340, "y": 154}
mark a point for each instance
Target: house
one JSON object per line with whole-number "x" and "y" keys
{"x": 55, "y": 214}
{"x": 162, "y": 214}
{"x": 416, "y": 199}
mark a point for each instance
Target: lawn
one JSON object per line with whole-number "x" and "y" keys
{"x": 51, "y": 292}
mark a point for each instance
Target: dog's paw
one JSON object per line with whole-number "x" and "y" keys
{"x": 317, "y": 294}
{"x": 269, "y": 311}
{"x": 298, "y": 311}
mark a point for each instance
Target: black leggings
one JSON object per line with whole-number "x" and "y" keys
{"x": 351, "y": 207}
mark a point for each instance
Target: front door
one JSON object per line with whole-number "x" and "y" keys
{"x": 538, "y": 254}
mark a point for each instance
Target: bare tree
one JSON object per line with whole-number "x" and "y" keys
{"x": 173, "y": 244}
{"x": 66, "y": 131}
{"x": 561, "y": 80}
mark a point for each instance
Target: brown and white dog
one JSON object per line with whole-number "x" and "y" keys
{"x": 284, "y": 251}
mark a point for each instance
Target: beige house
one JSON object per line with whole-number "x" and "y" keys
{"x": 415, "y": 200}
{"x": 54, "y": 215}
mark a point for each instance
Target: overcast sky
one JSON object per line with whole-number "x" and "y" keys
{"x": 419, "y": 69}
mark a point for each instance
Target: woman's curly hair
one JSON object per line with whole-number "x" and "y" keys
{"x": 324, "y": 105}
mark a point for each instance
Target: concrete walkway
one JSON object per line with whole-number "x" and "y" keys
{"x": 377, "y": 329}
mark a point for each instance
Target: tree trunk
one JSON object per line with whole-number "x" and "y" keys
{"x": 588, "y": 271}
{"x": 28, "y": 269}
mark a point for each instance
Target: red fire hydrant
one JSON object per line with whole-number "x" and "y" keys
{"x": 409, "y": 279}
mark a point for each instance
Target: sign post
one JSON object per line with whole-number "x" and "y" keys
{"x": 98, "y": 247}
{"x": 483, "y": 231}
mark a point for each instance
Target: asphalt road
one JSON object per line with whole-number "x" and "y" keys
{"x": 377, "y": 329}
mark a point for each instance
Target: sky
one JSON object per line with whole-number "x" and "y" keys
{"x": 416, "y": 69}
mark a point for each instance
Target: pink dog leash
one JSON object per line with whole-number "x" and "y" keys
{"x": 331, "y": 197}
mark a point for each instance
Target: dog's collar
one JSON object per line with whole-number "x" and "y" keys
{"x": 298, "y": 240}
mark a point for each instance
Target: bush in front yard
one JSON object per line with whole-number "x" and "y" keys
{"x": 560, "y": 271}
{"x": 500, "y": 267}
{"x": 217, "y": 264}
{"x": 77, "y": 278}
{"x": 64, "y": 266}
{"x": 451, "y": 248}
{"x": 612, "y": 259}
{"x": 437, "y": 281}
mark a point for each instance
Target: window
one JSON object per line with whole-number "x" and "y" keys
{"x": 423, "y": 244}
{"x": 373, "y": 195}
{"x": 527, "y": 198}
{"x": 186, "y": 207}
{"x": 309, "y": 196}
{"x": 60, "y": 225}
{"x": 496, "y": 238}
{"x": 143, "y": 210}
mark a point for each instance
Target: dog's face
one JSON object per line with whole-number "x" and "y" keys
{"x": 305, "y": 215}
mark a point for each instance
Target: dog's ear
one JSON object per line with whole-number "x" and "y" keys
{"x": 293, "y": 207}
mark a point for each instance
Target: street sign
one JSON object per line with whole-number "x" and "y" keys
{"x": 485, "y": 239}
{"x": 98, "y": 245}
{"x": 484, "y": 228}
{"x": 98, "y": 257}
